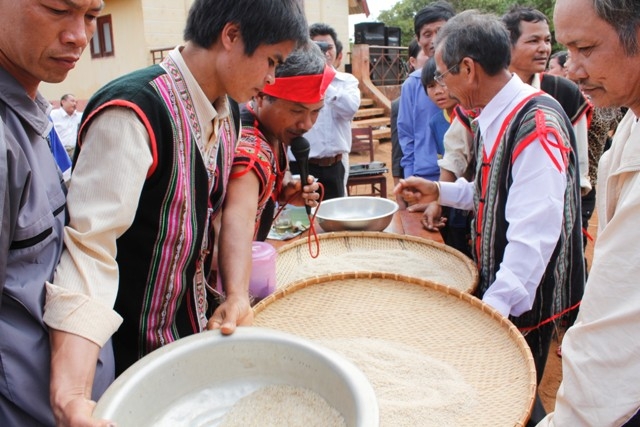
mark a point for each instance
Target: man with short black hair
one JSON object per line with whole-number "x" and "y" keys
{"x": 260, "y": 179}
{"x": 156, "y": 149}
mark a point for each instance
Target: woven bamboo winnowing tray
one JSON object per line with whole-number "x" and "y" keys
{"x": 439, "y": 322}
{"x": 356, "y": 251}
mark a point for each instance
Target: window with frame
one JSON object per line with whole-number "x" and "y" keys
{"x": 102, "y": 41}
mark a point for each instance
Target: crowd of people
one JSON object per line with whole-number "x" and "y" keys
{"x": 518, "y": 159}
{"x": 179, "y": 166}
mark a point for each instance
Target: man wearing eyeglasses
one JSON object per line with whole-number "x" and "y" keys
{"x": 526, "y": 233}
{"x": 530, "y": 49}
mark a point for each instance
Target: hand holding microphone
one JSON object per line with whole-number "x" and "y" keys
{"x": 300, "y": 150}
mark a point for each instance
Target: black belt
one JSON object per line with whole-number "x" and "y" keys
{"x": 326, "y": 161}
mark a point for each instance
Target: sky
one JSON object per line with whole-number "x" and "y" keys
{"x": 375, "y": 6}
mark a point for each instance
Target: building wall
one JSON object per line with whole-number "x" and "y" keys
{"x": 131, "y": 52}
{"x": 164, "y": 22}
{"x": 334, "y": 13}
{"x": 142, "y": 25}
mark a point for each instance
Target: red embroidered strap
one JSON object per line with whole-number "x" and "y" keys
{"x": 508, "y": 119}
{"x": 540, "y": 133}
{"x": 526, "y": 330}
{"x": 248, "y": 168}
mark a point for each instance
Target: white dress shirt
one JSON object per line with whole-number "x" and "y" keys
{"x": 66, "y": 126}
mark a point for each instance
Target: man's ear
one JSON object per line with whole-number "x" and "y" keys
{"x": 230, "y": 34}
{"x": 468, "y": 68}
{"x": 338, "y": 61}
{"x": 412, "y": 62}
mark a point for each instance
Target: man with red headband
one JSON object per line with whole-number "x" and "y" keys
{"x": 330, "y": 137}
{"x": 281, "y": 112}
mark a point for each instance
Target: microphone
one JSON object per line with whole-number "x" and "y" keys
{"x": 300, "y": 150}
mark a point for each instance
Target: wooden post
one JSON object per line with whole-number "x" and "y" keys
{"x": 360, "y": 68}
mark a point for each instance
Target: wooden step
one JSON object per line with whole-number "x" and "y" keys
{"x": 375, "y": 122}
{"x": 376, "y": 143}
{"x": 368, "y": 112}
{"x": 382, "y": 134}
{"x": 366, "y": 102}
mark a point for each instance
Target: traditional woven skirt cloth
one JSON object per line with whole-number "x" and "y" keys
{"x": 435, "y": 356}
{"x": 373, "y": 251}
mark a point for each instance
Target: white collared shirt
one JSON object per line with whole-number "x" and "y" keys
{"x": 66, "y": 126}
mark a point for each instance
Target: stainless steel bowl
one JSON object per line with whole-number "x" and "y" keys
{"x": 165, "y": 387}
{"x": 357, "y": 213}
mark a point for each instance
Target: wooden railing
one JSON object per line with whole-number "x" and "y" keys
{"x": 157, "y": 55}
{"x": 378, "y": 66}
{"x": 388, "y": 65}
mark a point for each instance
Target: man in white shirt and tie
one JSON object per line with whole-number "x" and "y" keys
{"x": 330, "y": 136}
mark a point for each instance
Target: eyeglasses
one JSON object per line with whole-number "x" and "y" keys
{"x": 440, "y": 77}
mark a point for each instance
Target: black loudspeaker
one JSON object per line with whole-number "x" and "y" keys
{"x": 372, "y": 33}
{"x": 392, "y": 36}
{"x": 386, "y": 66}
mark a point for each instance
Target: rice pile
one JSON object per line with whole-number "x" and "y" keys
{"x": 412, "y": 388}
{"x": 283, "y": 405}
{"x": 396, "y": 261}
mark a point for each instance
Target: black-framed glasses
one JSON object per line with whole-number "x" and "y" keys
{"x": 438, "y": 77}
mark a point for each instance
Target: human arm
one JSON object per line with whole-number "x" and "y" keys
{"x": 102, "y": 202}
{"x": 343, "y": 96}
{"x": 459, "y": 152}
{"x": 234, "y": 252}
{"x": 423, "y": 191}
{"x": 72, "y": 380}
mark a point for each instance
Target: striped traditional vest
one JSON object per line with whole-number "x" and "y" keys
{"x": 563, "y": 279}
{"x": 164, "y": 255}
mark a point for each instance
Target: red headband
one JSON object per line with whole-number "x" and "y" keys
{"x": 307, "y": 89}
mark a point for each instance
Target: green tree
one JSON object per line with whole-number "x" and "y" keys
{"x": 401, "y": 14}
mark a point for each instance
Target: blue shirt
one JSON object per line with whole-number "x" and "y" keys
{"x": 58, "y": 151}
{"x": 438, "y": 126}
{"x": 419, "y": 150}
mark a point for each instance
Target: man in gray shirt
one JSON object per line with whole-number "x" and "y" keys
{"x": 36, "y": 44}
